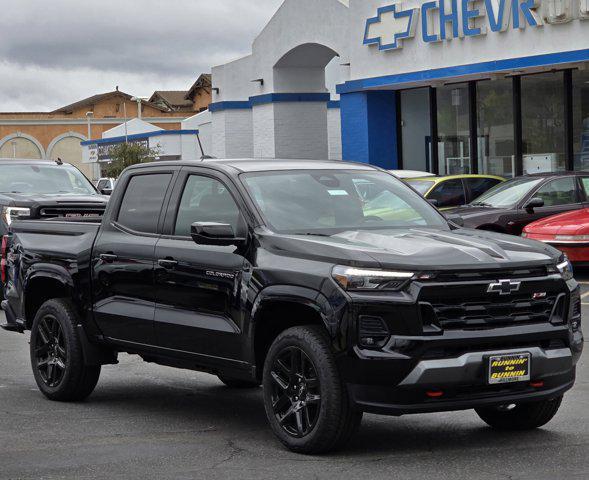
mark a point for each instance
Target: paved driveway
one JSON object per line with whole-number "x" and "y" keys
{"x": 147, "y": 421}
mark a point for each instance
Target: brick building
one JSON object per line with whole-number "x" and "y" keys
{"x": 58, "y": 133}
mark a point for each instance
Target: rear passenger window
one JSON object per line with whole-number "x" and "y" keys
{"x": 449, "y": 194}
{"x": 143, "y": 200}
{"x": 205, "y": 200}
{"x": 478, "y": 186}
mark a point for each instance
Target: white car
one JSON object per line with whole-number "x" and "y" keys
{"x": 411, "y": 174}
{"x": 106, "y": 185}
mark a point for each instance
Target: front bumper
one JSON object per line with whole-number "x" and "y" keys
{"x": 398, "y": 382}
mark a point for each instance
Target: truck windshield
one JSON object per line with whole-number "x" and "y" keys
{"x": 45, "y": 179}
{"x": 328, "y": 202}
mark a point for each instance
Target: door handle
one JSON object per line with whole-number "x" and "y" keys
{"x": 167, "y": 263}
{"x": 108, "y": 257}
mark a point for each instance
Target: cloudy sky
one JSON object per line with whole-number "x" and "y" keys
{"x": 56, "y": 52}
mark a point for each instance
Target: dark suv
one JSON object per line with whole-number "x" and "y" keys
{"x": 334, "y": 285}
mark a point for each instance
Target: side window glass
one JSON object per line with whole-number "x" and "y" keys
{"x": 558, "y": 192}
{"x": 143, "y": 200}
{"x": 478, "y": 186}
{"x": 585, "y": 181}
{"x": 449, "y": 194}
{"x": 205, "y": 200}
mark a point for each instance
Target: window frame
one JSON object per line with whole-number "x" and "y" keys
{"x": 549, "y": 180}
{"x": 440, "y": 184}
{"x": 173, "y": 206}
{"x": 470, "y": 196}
{"x": 115, "y": 217}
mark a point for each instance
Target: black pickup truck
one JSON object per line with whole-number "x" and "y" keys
{"x": 334, "y": 285}
{"x": 43, "y": 189}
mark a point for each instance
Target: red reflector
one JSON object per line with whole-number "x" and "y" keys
{"x": 537, "y": 384}
{"x": 434, "y": 393}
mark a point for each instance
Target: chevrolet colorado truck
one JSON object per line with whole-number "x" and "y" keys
{"x": 334, "y": 285}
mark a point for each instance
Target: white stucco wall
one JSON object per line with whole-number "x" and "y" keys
{"x": 263, "y": 131}
{"x": 334, "y": 133}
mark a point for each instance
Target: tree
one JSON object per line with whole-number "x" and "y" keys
{"x": 127, "y": 154}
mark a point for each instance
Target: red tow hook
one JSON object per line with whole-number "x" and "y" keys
{"x": 434, "y": 393}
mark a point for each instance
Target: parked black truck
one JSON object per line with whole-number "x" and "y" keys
{"x": 336, "y": 286}
{"x": 43, "y": 189}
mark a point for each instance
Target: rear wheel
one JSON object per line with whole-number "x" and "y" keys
{"x": 523, "y": 416}
{"x": 56, "y": 354}
{"x": 306, "y": 402}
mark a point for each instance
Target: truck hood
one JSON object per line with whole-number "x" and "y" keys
{"x": 423, "y": 248}
{"x": 32, "y": 199}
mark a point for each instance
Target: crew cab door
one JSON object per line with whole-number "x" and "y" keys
{"x": 123, "y": 258}
{"x": 198, "y": 286}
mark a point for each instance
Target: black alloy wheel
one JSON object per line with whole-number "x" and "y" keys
{"x": 296, "y": 394}
{"x": 57, "y": 355}
{"x": 307, "y": 403}
{"x": 50, "y": 351}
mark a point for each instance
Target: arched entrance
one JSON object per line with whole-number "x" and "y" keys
{"x": 21, "y": 145}
{"x": 67, "y": 147}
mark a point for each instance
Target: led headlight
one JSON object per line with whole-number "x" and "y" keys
{"x": 565, "y": 267}
{"x": 12, "y": 213}
{"x": 350, "y": 278}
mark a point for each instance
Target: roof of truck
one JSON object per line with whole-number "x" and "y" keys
{"x": 240, "y": 165}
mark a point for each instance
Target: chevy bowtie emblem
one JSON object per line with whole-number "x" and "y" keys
{"x": 504, "y": 287}
{"x": 391, "y": 25}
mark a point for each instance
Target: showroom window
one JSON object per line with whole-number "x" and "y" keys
{"x": 453, "y": 129}
{"x": 543, "y": 121}
{"x": 496, "y": 155}
{"x": 581, "y": 119}
{"x": 416, "y": 132}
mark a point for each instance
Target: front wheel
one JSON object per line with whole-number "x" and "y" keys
{"x": 56, "y": 354}
{"x": 306, "y": 402}
{"x": 523, "y": 416}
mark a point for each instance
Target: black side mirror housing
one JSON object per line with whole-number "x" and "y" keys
{"x": 210, "y": 233}
{"x": 533, "y": 203}
{"x": 455, "y": 219}
{"x": 106, "y": 191}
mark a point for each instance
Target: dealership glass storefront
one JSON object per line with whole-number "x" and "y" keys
{"x": 505, "y": 126}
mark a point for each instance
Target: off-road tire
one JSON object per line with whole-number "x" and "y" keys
{"x": 524, "y": 416}
{"x": 336, "y": 420}
{"x": 77, "y": 380}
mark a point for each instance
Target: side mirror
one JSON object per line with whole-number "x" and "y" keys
{"x": 433, "y": 202}
{"x": 455, "y": 219}
{"x": 533, "y": 203}
{"x": 106, "y": 191}
{"x": 209, "y": 233}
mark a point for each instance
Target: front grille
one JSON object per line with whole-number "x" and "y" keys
{"x": 72, "y": 211}
{"x": 470, "y": 275}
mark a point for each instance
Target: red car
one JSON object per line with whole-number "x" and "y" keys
{"x": 569, "y": 232}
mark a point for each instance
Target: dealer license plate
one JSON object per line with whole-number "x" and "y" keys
{"x": 509, "y": 368}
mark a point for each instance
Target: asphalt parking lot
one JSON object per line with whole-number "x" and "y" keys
{"x": 147, "y": 421}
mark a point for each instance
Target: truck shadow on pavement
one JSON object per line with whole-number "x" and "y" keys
{"x": 239, "y": 414}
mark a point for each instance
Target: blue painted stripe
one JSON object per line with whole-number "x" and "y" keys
{"x": 472, "y": 69}
{"x": 269, "y": 98}
{"x": 139, "y": 136}
{"x": 289, "y": 97}
{"x": 229, "y": 105}
{"x": 333, "y": 104}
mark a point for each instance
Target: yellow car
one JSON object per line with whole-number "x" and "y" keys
{"x": 454, "y": 190}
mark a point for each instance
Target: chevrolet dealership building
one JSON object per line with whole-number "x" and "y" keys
{"x": 448, "y": 86}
